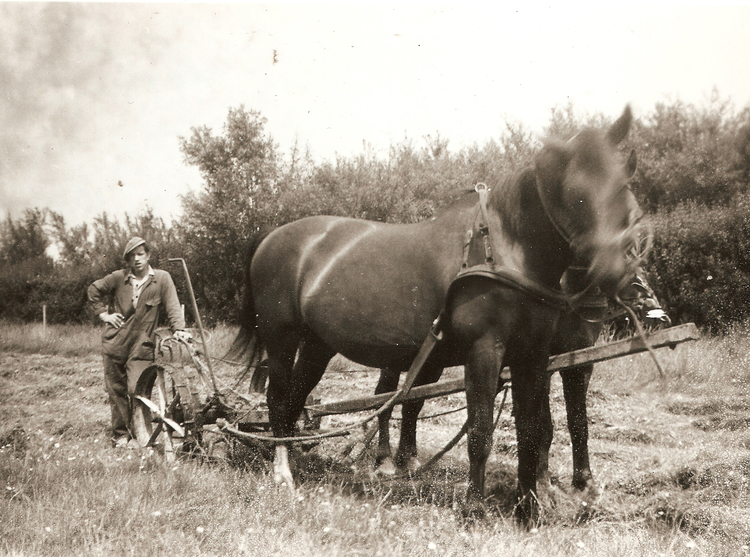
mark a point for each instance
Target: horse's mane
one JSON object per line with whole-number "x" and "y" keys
{"x": 451, "y": 198}
{"x": 508, "y": 196}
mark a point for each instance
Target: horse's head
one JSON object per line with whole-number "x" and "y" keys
{"x": 583, "y": 188}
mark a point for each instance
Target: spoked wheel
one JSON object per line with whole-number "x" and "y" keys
{"x": 161, "y": 410}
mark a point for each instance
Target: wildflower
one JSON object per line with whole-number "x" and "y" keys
{"x": 199, "y": 529}
{"x": 432, "y": 546}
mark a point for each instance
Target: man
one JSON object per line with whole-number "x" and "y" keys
{"x": 128, "y": 301}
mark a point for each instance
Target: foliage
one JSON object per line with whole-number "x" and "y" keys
{"x": 693, "y": 166}
{"x": 29, "y": 279}
{"x": 688, "y": 154}
{"x": 24, "y": 240}
{"x": 24, "y": 263}
{"x": 239, "y": 169}
{"x": 701, "y": 262}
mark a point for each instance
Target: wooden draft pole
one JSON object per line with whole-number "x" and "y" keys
{"x": 197, "y": 320}
{"x": 666, "y": 337}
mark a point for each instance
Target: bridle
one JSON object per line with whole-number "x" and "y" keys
{"x": 635, "y": 255}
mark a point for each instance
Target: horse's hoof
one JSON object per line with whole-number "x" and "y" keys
{"x": 591, "y": 494}
{"x": 544, "y": 481}
{"x": 282, "y": 474}
{"x": 408, "y": 463}
{"x": 386, "y": 468}
{"x": 411, "y": 464}
{"x": 527, "y": 511}
{"x": 282, "y": 479}
{"x": 472, "y": 510}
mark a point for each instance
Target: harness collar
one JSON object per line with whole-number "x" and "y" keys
{"x": 510, "y": 277}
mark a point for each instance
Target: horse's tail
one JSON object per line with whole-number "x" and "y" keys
{"x": 247, "y": 346}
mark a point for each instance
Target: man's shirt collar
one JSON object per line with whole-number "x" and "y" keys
{"x": 131, "y": 277}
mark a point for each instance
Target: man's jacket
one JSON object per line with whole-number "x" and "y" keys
{"x": 135, "y": 339}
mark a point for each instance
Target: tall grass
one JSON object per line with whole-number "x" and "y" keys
{"x": 717, "y": 363}
{"x": 64, "y": 340}
{"x": 80, "y": 340}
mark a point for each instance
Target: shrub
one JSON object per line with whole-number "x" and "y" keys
{"x": 701, "y": 262}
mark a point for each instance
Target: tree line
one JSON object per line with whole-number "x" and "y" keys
{"x": 692, "y": 179}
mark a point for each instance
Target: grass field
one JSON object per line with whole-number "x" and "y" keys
{"x": 671, "y": 457}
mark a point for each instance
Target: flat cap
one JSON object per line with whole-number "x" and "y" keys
{"x": 131, "y": 245}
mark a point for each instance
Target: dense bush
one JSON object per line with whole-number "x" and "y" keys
{"x": 688, "y": 154}
{"x": 700, "y": 264}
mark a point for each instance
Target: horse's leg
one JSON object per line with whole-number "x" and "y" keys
{"x": 575, "y": 386}
{"x": 528, "y": 396}
{"x": 388, "y": 382}
{"x": 481, "y": 378}
{"x": 406, "y": 456}
{"x": 312, "y": 361}
{"x": 280, "y": 363}
{"x": 546, "y": 431}
{"x": 288, "y": 387}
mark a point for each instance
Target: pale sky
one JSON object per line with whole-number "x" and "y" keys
{"x": 96, "y": 94}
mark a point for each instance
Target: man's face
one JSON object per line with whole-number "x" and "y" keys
{"x": 138, "y": 260}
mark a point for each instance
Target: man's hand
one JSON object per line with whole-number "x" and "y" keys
{"x": 117, "y": 320}
{"x": 183, "y": 336}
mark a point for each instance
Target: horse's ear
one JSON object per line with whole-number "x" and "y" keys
{"x": 620, "y": 128}
{"x": 631, "y": 165}
{"x": 551, "y": 162}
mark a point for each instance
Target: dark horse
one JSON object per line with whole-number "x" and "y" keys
{"x": 576, "y": 328}
{"x": 371, "y": 291}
